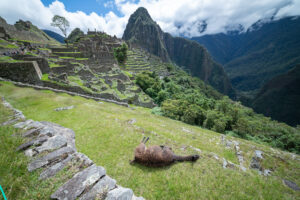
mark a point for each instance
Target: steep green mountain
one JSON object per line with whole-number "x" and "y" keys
{"x": 280, "y": 98}
{"x": 75, "y": 35}
{"x": 145, "y": 32}
{"x": 55, "y": 35}
{"x": 141, "y": 30}
{"x": 253, "y": 58}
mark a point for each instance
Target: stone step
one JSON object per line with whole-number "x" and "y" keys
{"x": 62, "y": 50}
{"x": 71, "y": 54}
{"x": 49, "y": 158}
{"x": 37, "y": 141}
{"x": 52, "y": 143}
{"x": 80, "y": 182}
{"x": 53, "y": 170}
{"x": 104, "y": 185}
{"x": 120, "y": 193}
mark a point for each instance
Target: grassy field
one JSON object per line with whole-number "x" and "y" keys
{"x": 104, "y": 134}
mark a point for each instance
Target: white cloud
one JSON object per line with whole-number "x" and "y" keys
{"x": 179, "y": 17}
{"x": 40, "y": 15}
{"x": 186, "y": 17}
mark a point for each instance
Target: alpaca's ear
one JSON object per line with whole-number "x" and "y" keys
{"x": 146, "y": 140}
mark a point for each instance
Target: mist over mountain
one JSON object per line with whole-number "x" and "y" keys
{"x": 254, "y": 57}
{"x": 143, "y": 31}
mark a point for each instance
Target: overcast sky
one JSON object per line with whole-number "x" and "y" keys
{"x": 178, "y": 17}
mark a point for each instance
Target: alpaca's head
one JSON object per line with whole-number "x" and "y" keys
{"x": 195, "y": 157}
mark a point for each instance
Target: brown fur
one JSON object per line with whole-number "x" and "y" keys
{"x": 158, "y": 155}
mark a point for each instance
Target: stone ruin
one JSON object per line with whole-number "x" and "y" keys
{"x": 90, "y": 61}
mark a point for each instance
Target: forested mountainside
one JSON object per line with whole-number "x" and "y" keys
{"x": 280, "y": 97}
{"x": 253, "y": 59}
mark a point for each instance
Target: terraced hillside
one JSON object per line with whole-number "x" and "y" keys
{"x": 140, "y": 60}
{"x": 228, "y": 168}
{"x": 81, "y": 67}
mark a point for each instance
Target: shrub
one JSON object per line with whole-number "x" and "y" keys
{"x": 120, "y": 53}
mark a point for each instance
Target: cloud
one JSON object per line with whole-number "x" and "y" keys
{"x": 178, "y": 17}
{"x": 198, "y": 17}
{"x": 41, "y": 15}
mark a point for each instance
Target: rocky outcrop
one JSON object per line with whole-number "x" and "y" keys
{"x": 25, "y": 30}
{"x": 52, "y": 148}
{"x": 142, "y": 31}
{"x": 75, "y": 35}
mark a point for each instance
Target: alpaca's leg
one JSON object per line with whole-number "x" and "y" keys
{"x": 146, "y": 140}
{"x": 132, "y": 161}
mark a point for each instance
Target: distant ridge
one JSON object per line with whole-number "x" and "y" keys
{"x": 280, "y": 98}
{"x": 55, "y": 35}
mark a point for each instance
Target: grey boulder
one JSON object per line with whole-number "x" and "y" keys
{"x": 120, "y": 193}
{"x": 49, "y": 158}
{"x": 81, "y": 181}
{"x": 52, "y": 143}
{"x": 291, "y": 185}
{"x": 37, "y": 141}
{"x": 23, "y": 124}
{"x": 51, "y": 171}
{"x": 103, "y": 186}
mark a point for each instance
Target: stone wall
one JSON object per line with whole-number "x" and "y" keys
{"x": 27, "y": 71}
{"x": 42, "y": 62}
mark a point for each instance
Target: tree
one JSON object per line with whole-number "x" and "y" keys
{"x": 120, "y": 53}
{"x": 61, "y": 23}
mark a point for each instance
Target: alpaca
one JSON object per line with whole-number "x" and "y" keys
{"x": 158, "y": 156}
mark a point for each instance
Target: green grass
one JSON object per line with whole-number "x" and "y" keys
{"x": 76, "y": 80}
{"x": 8, "y": 59}
{"x": 66, "y": 57}
{"x": 68, "y": 52}
{"x": 102, "y": 133}
{"x": 45, "y": 49}
{"x": 9, "y": 46}
{"x": 15, "y": 180}
{"x": 45, "y": 77}
{"x": 82, "y": 58}
{"x": 31, "y": 53}
{"x": 51, "y": 65}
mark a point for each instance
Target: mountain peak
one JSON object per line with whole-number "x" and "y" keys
{"x": 141, "y": 15}
{"x": 142, "y": 12}
{"x": 145, "y": 32}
